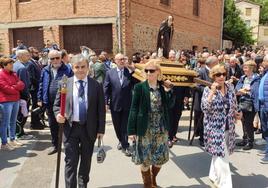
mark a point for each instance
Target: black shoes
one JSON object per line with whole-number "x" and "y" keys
{"x": 241, "y": 143}
{"x": 248, "y": 146}
{"x": 127, "y": 152}
{"x": 52, "y": 151}
{"x": 201, "y": 143}
{"x": 170, "y": 144}
{"x": 258, "y": 131}
{"x": 119, "y": 146}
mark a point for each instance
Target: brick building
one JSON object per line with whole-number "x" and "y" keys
{"x": 114, "y": 25}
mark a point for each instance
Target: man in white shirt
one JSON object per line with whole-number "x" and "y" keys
{"x": 84, "y": 121}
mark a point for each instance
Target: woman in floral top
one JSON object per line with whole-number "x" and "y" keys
{"x": 148, "y": 124}
{"x": 219, "y": 107}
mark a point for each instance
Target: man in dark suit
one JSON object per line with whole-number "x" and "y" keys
{"x": 118, "y": 86}
{"x": 84, "y": 121}
{"x": 198, "y": 114}
{"x": 234, "y": 70}
{"x": 34, "y": 69}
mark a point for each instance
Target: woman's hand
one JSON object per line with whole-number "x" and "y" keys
{"x": 213, "y": 87}
{"x": 132, "y": 137}
{"x": 238, "y": 115}
{"x": 243, "y": 91}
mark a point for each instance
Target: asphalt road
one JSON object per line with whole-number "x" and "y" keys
{"x": 30, "y": 166}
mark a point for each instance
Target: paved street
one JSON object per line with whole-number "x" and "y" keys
{"x": 30, "y": 166}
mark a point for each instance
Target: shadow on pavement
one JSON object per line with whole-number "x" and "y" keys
{"x": 7, "y": 157}
{"x": 190, "y": 186}
{"x": 254, "y": 180}
{"x": 126, "y": 186}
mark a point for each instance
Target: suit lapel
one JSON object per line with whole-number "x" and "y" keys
{"x": 147, "y": 94}
{"x": 116, "y": 77}
{"x": 69, "y": 109}
{"x": 89, "y": 92}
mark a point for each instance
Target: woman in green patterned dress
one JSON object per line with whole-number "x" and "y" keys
{"x": 148, "y": 123}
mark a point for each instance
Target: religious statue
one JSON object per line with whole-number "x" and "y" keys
{"x": 165, "y": 36}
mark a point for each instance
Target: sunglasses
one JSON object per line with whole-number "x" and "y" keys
{"x": 52, "y": 58}
{"x": 149, "y": 70}
{"x": 121, "y": 59}
{"x": 220, "y": 74}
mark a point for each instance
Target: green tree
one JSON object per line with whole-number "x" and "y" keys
{"x": 264, "y": 10}
{"x": 234, "y": 27}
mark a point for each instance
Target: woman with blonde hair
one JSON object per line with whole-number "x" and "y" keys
{"x": 247, "y": 90}
{"x": 219, "y": 107}
{"x": 148, "y": 123}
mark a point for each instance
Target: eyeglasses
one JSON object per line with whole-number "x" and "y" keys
{"x": 220, "y": 74}
{"x": 149, "y": 70}
{"x": 52, "y": 58}
{"x": 121, "y": 59}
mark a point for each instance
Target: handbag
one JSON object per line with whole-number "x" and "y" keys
{"x": 101, "y": 154}
{"x": 245, "y": 104}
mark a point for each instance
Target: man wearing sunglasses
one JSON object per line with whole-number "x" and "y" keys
{"x": 48, "y": 87}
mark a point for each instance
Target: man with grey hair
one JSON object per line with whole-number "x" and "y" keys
{"x": 203, "y": 72}
{"x": 23, "y": 56}
{"x": 263, "y": 98}
{"x": 234, "y": 70}
{"x": 172, "y": 55}
{"x": 48, "y": 87}
{"x": 84, "y": 122}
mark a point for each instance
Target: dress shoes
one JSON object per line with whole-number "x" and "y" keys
{"x": 241, "y": 143}
{"x": 52, "y": 151}
{"x": 119, "y": 146}
{"x": 258, "y": 131}
{"x": 175, "y": 139}
{"x": 248, "y": 146}
{"x": 201, "y": 143}
{"x": 170, "y": 144}
{"x": 127, "y": 152}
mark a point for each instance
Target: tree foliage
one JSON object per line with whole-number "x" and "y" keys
{"x": 264, "y": 11}
{"x": 234, "y": 27}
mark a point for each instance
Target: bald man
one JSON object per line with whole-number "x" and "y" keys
{"x": 118, "y": 86}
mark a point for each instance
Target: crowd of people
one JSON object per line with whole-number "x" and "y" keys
{"x": 147, "y": 113}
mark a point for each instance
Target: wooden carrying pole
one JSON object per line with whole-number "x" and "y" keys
{"x": 63, "y": 92}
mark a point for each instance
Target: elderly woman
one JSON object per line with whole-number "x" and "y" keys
{"x": 247, "y": 91}
{"x": 219, "y": 107}
{"x": 148, "y": 123}
{"x": 10, "y": 87}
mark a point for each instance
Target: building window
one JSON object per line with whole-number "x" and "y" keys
{"x": 165, "y": 2}
{"x": 196, "y": 7}
{"x": 247, "y": 22}
{"x": 265, "y": 32}
{"x": 248, "y": 11}
{"x": 22, "y": 1}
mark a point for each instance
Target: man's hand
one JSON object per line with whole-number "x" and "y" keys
{"x": 39, "y": 104}
{"x": 132, "y": 137}
{"x": 186, "y": 100}
{"x": 60, "y": 119}
{"x": 107, "y": 108}
{"x": 100, "y": 136}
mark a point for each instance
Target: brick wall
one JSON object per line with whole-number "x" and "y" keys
{"x": 140, "y": 21}
{"x": 144, "y": 18}
{"x": 55, "y": 9}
